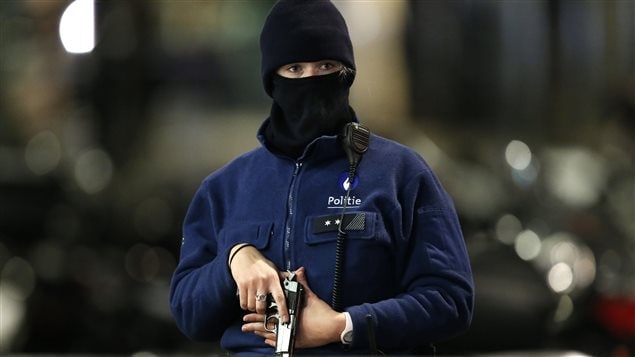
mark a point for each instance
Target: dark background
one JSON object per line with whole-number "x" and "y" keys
{"x": 525, "y": 109}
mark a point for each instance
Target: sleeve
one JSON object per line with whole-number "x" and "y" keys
{"x": 437, "y": 290}
{"x": 202, "y": 289}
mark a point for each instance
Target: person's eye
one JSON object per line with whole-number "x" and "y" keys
{"x": 294, "y": 68}
{"x": 330, "y": 65}
{"x": 325, "y": 66}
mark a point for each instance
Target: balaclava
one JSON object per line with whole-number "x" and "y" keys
{"x": 305, "y": 108}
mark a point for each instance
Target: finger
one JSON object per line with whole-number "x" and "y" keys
{"x": 261, "y": 305}
{"x": 280, "y": 300}
{"x": 253, "y": 317}
{"x": 252, "y": 299}
{"x": 253, "y": 327}
{"x": 271, "y": 342}
{"x": 266, "y": 335}
{"x": 242, "y": 297}
{"x": 301, "y": 276}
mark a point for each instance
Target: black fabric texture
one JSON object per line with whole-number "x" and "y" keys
{"x": 305, "y": 109}
{"x": 303, "y": 31}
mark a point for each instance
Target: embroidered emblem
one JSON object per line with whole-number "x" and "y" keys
{"x": 343, "y": 181}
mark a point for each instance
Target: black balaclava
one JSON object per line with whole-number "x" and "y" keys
{"x": 305, "y": 108}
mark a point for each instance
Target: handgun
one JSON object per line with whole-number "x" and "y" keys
{"x": 285, "y": 332}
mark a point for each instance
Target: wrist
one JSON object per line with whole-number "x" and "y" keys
{"x": 340, "y": 327}
{"x": 346, "y": 337}
{"x": 234, "y": 251}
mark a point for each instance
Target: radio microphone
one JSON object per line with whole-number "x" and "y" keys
{"x": 355, "y": 140}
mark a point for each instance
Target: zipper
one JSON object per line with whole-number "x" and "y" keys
{"x": 289, "y": 219}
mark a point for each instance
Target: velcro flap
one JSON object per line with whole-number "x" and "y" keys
{"x": 351, "y": 222}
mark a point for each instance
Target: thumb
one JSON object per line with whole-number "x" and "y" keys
{"x": 301, "y": 275}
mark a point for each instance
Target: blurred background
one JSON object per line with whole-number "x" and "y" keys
{"x": 112, "y": 112}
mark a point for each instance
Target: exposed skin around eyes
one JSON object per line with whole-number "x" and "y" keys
{"x": 309, "y": 69}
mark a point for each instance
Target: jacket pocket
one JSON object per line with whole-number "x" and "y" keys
{"x": 366, "y": 226}
{"x": 258, "y": 234}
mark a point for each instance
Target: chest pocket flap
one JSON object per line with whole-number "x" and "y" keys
{"x": 257, "y": 234}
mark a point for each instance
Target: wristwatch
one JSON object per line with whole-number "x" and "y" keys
{"x": 347, "y": 335}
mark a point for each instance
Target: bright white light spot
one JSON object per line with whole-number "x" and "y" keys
{"x": 565, "y": 248}
{"x": 93, "y": 171}
{"x": 560, "y": 277}
{"x": 77, "y": 27}
{"x": 518, "y": 155}
{"x": 43, "y": 153}
{"x": 527, "y": 245}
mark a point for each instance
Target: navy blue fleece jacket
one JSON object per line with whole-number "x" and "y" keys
{"x": 405, "y": 260}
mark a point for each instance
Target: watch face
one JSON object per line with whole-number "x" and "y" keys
{"x": 348, "y": 337}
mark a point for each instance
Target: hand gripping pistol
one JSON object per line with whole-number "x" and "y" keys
{"x": 285, "y": 333}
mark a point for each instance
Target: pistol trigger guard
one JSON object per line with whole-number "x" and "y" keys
{"x": 266, "y": 322}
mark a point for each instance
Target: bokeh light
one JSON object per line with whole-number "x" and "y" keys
{"x": 77, "y": 27}
{"x": 565, "y": 248}
{"x": 518, "y": 155}
{"x": 93, "y": 170}
{"x": 19, "y": 273}
{"x": 43, "y": 153}
{"x": 149, "y": 264}
{"x": 560, "y": 278}
{"x": 565, "y": 308}
{"x": 507, "y": 228}
{"x": 13, "y": 311}
{"x": 527, "y": 245}
{"x": 575, "y": 176}
{"x": 530, "y": 132}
